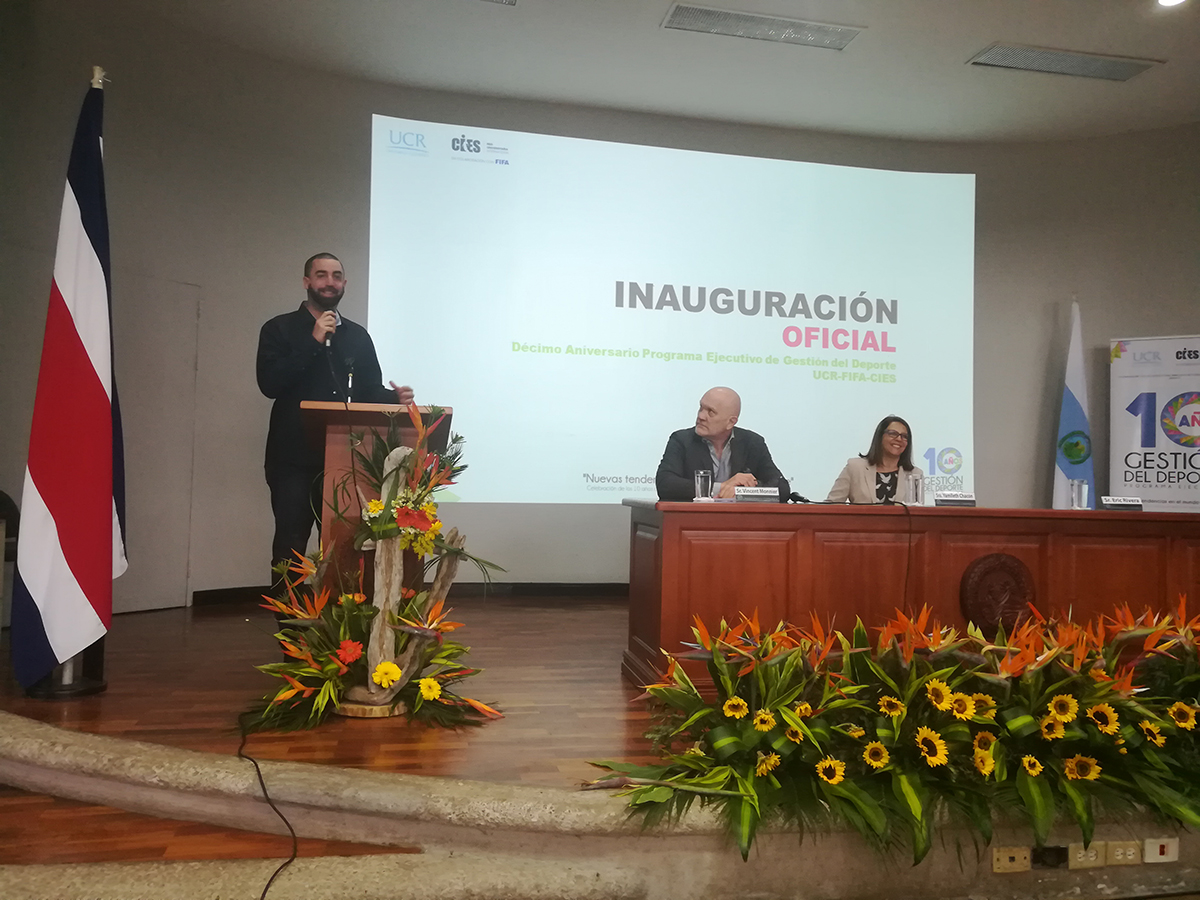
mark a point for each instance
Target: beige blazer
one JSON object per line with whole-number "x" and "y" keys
{"x": 856, "y": 483}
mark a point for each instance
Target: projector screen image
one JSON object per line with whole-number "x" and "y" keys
{"x": 571, "y": 300}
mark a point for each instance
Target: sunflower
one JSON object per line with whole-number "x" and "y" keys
{"x": 1105, "y": 718}
{"x": 1064, "y": 707}
{"x": 766, "y": 763}
{"x": 984, "y": 764}
{"x": 938, "y": 693}
{"x": 985, "y": 705}
{"x": 890, "y": 706}
{"x": 795, "y": 735}
{"x": 962, "y": 706}
{"x": 932, "y": 747}
{"x": 1052, "y": 728}
{"x": 431, "y": 689}
{"x": 1081, "y": 767}
{"x": 1032, "y": 766}
{"x": 1152, "y": 732}
{"x": 764, "y": 720}
{"x": 803, "y": 710}
{"x": 984, "y": 741}
{"x": 876, "y": 755}
{"x": 831, "y": 770}
{"x": 735, "y": 708}
{"x": 854, "y": 731}
{"x": 1183, "y": 715}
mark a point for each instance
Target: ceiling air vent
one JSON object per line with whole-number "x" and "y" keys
{"x": 1062, "y": 62}
{"x": 761, "y": 28}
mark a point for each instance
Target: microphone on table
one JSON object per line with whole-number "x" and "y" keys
{"x": 798, "y": 498}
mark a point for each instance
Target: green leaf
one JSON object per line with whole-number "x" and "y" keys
{"x": 693, "y": 719}
{"x": 1081, "y": 808}
{"x": 1039, "y": 802}
{"x": 908, "y": 791}
{"x": 866, "y": 805}
{"x": 725, "y": 742}
{"x": 1022, "y": 725}
{"x": 745, "y": 823}
{"x": 656, "y": 794}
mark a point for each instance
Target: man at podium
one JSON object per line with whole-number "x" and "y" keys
{"x": 735, "y": 457}
{"x": 311, "y": 353}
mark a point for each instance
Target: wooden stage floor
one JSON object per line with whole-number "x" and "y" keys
{"x": 180, "y": 677}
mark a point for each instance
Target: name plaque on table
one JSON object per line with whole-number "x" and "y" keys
{"x": 954, "y": 498}
{"x": 1130, "y": 503}
{"x": 756, "y": 494}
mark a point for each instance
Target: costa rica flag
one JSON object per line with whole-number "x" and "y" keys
{"x": 71, "y": 544}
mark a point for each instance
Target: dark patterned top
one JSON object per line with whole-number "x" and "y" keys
{"x": 885, "y": 486}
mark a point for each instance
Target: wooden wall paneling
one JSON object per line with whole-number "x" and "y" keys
{"x": 959, "y": 550}
{"x": 862, "y": 574}
{"x": 1101, "y": 572}
{"x": 732, "y": 572}
{"x": 1185, "y": 573}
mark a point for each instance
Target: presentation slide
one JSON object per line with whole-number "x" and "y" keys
{"x": 571, "y": 300}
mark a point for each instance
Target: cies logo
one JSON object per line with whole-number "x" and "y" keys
{"x": 1076, "y": 447}
{"x": 465, "y": 144}
{"x": 949, "y": 461}
{"x": 1181, "y": 419}
{"x": 1185, "y": 353}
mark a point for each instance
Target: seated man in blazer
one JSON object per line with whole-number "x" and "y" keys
{"x": 735, "y": 456}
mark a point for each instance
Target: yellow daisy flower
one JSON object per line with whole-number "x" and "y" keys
{"x": 766, "y": 763}
{"x": 1052, "y": 728}
{"x": 1064, "y": 707}
{"x": 803, "y": 710}
{"x": 984, "y": 740}
{"x": 1105, "y": 718}
{"x": 932, "y": 747}
{"x": 386, "y": 674}
{"x": 962, "y": 706}
{"x": 985, "y": 705}
{"x": 984, "y": 764}
{"x": 735, "y": 708}
{"x": 795, "y": 735}
{"x": 1082, "y": 767}
{"x": 876, "y": 755}
{"x": 431, "y": 688}
{"x": 1183, "y": 715}
{"x": 890, "y": 706}
{"x": 938, "y": 693}
{"x": 831, "y": 770}
{"x": 764, "y": 720}
{"x": 374, "y": 507}
{"x": 1152, "y": 732}
{"x": 855, "y": 732}
{"x": 1032, "y": 766}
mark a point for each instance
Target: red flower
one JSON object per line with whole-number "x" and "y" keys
{"x": 412, "y": 518}
{"x": 349, "y": 651}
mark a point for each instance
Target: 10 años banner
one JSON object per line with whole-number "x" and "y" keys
{"x": 1154, "y": 426}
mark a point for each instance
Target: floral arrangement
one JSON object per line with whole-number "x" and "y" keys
{"x": 392, "y": 652}
{"x": 324, "y": 644}
{"x": 810, "y": 727}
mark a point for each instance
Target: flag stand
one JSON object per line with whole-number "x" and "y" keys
{"x": 80, "y": 676}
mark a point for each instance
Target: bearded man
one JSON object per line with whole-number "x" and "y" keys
{"x": 312, "y": 353}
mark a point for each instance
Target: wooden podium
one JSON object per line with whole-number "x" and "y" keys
{"x": 717, "y": 560}
{"x": 334, "y": 425}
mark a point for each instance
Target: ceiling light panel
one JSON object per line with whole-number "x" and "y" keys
{"x": 684, "y": 17}
{"x": 1062, "y": 62}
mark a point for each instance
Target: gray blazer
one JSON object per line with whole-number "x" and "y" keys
{"x": 856, "y": 483}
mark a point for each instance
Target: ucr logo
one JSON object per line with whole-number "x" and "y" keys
{"x": 949, "y": 461}
{"x": 1181, "y": 419}
{"x": 1076, "y": 447}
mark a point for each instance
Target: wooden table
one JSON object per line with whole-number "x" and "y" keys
{"x": 717, "y": 560}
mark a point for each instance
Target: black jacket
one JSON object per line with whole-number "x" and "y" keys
{"x": 686, "y": 452}
{"x": 294, "y": 367}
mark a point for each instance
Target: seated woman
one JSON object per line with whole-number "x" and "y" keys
{"x": 881, "y": 474}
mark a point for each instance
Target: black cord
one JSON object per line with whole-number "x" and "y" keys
{"x": 266, "y": 796}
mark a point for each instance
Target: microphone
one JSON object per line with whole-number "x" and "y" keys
{"x": 798, "y": 498}
{"x": 328, "y": 341}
